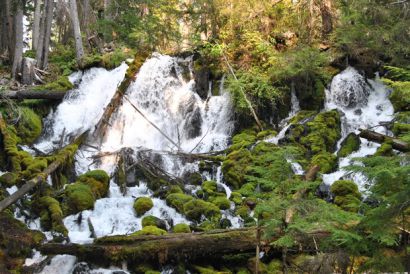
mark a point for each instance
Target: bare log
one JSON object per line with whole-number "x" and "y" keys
{"x": 311, "y": 173}
{"x": 33, "y": 94}
{"x": 162, "y": 249}
{"x": 380, "y": 138}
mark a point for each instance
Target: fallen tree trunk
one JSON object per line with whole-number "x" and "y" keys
{"x": 380, "y": 138}
{"x": 161, "y": 249}
{"x": 33, "y": 94}
{"x": 41, "y": 177}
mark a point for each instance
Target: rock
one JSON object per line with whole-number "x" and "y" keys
{"x": 154, "y": 221}
{"x": 142, "y": 205}
{"x": 225, "y": 223}
{"x": 181, "y": 228}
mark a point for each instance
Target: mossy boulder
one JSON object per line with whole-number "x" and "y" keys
{"x": 60, "y": 84}
{"x": 349, "y": 145}
{"x": 242, "y": 211}
{"x": 247, "y": 190}
{"x": 150, "y": 230}
{"x": 193, "y": 178}
{"x": 29, "y": 126}
{"x": 235, "y": 166}
{"x": 209, "y": 187}
{"x": 178, "y": 200}
{"x": 236, "y": 197}
{"x": 326, "y": 161}
{"x": 98, "y": 180}
{"x": 265, "y": 134}
{"x": 400, "y": 96}
{"x": 221, "y": 202}
{"x": 243, "y": 140}
{"x": 9, "y": 179}
{"x": 386, "y": 149}
{"x": 323, "y": 132}
{"x": 347, "y": 195}
{"x": 181, "y": 228}
{"x": 142, "y": 205}
{"x": 78, "y": 197}
{"x": 196, "y": 208}
{"x": 154, "y": 221}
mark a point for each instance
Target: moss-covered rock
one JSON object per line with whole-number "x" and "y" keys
{"x": 194, "y": 178}
{"x": 221, "y": 202}
{"x": 149, "y": 230}
{"x": 326, "y": 161}
{"x": 181, "y": 228}
{"x": 98, "y": 180}
{"x": 196, "y": 208}
{"x": 265, "y": 134}
{"x": 209, "y": 187}
{"x": 236, "y": 197}
{"x": 142, "y": 205}
{"x": 386, "y": 149}
{"x": 8, "y": 179}
{"x": 154, "y": 221}
{"x": 178, "y": 200}
{"x": 29, "y": 125}
{"x": 60, "y": 84}
{"x": 235, "y": 167}
{"x": 247, "y": 190}
{"x": 349, "y": 145}
{"x": 400, "y": 96}
{"x": 78, "y": 197}
{"x": 347, "y": 195}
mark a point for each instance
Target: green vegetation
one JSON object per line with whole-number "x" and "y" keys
{"x": 142, "y": 205}
{"x": 181, "y": 228}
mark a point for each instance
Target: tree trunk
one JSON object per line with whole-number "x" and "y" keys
{"x": 380, "y": 138}
{"x": 18, "y": 47}
{"x": 36, "y": 24}
{"x": 45, "y": 34}
{"x": 327, "y": 18}
{"x": 160, "y": 249}
{"x": 77, "y": 32}
{"x": 33, "y": 94}
{"x": 27, "y": 71}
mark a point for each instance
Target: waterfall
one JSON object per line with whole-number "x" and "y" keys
{"x": 164, "y": 92}
{"x": 363, "y": 104}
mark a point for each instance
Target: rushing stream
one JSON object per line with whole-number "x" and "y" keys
{"x": 164, "y": 92}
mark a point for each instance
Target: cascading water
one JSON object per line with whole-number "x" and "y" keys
{"x": 364, "y": 104}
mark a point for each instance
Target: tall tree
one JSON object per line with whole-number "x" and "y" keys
{"x": 18, "y": 47}
{"x": 6, "y": 29}
{"x": 36, "y": 23}
{"x": 45, "y": 34}
{"x": 77, "y": 32}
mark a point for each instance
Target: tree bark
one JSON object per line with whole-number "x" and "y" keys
{"x": 33, "y": 94}
{"x": 327, "y": 18}
{"x": 160, "y": 249}
{"x": 18, "y": 47}
{"x": 36, "y": 24}
{"x": 77, "y": 32}
{"x": 45, "y": 34}
{"x": 27, "y": 71}
{"x": 380, "y": 138}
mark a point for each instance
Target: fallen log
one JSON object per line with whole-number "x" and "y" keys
{"x": 380, "y": 138}
{"x": 161, "y": 249}
{"x": 63, "y": 156}
{"x": 33, "y": 94}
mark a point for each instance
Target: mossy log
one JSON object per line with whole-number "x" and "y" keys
{"x": 33, "y": 94}
{"x": 160, "y": 249}
{"x": 61, "y": 157}
{"x": 380, "y": 138}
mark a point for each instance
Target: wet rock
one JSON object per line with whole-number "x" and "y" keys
{"x": 323, "y": 192}
{"x": 202, "y": 76}
{"x": 193, "y": 123}
{"x": 225, "y": 223}
{"x": 81, "y": 268}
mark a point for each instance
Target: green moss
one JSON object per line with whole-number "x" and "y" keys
{"x": 349, "y": 145}
{"x": 29, "y": 125}
{"x": 181, "y": 228}
{"x": 326, "y": 161}
{"x": 61, "y": 84}
{"x": 195, "y": 209}
{"x": 302, "y": 116}
{"x": 142, "y": 205}
{"x": 194, "y": 178}
{"x": 235, "y": 166}
{"x": 323, "y": 132}
{"x": 98, "y": 180}
{"x": 99, "y": 175}
{"x": 8, "y": 179}
{"x": 265, "y": 134}
{"x": 175, "y": 189}
{"x": 209, "y": 187}
{"x": 78, "y": 197}
{"x": 386, "y": 149}
{"x": 149, "y": 230}
{"x": 245, "y": 139}
{"x": 178, "y": 200}
{"x": 397, "y": 74}
{"x": 247, "y": 190}
{"x": 347, "y": 195}
{"x": 221, "y": 202}
{"x": 242, "y": 211}
{"x": 52, "y": 215}
{"x": 236, "y": 197}
{"x": 275, "y": 266}
{"x": 400, "y": 97}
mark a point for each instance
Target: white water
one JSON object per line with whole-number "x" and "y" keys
{"x": 363, "y": 105}
{"x": 82, "y": 107}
